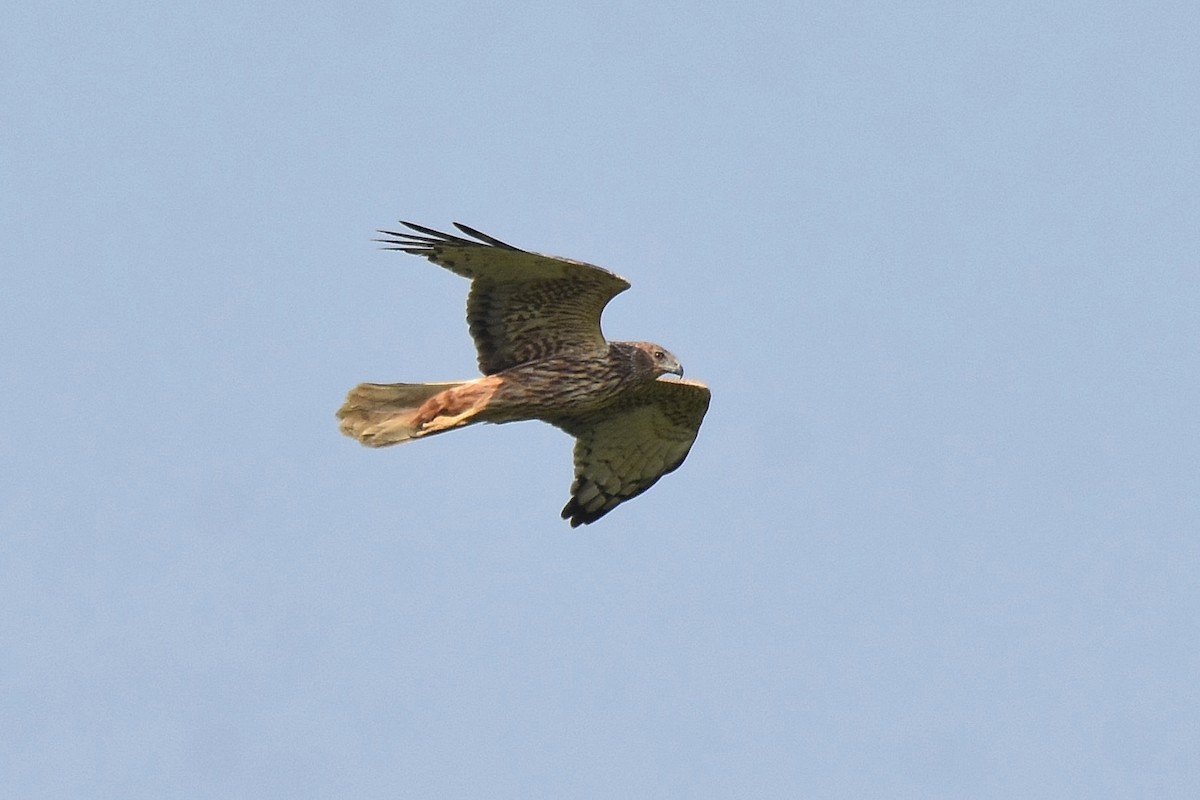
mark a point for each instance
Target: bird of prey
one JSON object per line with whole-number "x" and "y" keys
{"x": 535, "y": 320}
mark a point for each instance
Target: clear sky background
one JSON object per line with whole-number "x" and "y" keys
{"x": 939, "y": 535}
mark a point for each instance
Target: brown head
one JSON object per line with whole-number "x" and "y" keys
{"x": 656, "y": 359}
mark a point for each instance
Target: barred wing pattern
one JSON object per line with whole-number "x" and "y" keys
{"x": 522, "y": 306}
{"x": 623, "y": 450}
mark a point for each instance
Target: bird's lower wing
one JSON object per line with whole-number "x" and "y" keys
{"x": 623, "y": 451}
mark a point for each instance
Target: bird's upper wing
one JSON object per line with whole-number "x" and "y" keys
{"x": 522, "y": 306}
{"x": 623, "y": 450}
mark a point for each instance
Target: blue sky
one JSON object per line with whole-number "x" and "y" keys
{"x": 937, "y": 538}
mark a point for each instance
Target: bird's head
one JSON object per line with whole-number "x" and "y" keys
{"x": 662, "y": 361}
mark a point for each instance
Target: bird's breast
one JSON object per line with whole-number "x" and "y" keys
{"x": 557, "y": 386}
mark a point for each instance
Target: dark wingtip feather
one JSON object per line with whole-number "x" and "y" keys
{"x": 578, "y": 515}
{"x": 483, "y": 237}
{"x": 438, "y": 236}
{"x": 426, "y": 239}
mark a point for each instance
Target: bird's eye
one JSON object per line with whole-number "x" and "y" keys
{"x": 659, "y": 355}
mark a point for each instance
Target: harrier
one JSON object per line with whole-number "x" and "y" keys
{"x": 535, "y": 320}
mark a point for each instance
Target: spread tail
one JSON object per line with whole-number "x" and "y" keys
{"x": 381, "y": 414}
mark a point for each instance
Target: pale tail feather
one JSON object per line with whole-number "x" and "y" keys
{"x": 381, "y": 414}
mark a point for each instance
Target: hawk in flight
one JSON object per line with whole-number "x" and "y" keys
{"x": 535, "y": 320}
